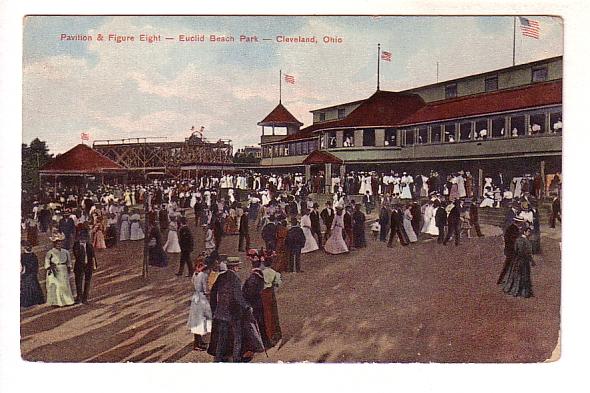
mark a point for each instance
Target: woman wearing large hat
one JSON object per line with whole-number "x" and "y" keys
{"x": 58, "y": 265}
{"x": 30, "y": 290}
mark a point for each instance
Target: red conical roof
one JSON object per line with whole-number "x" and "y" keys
{"x": 279, "y": 116}
{"x": 80, "y": 159}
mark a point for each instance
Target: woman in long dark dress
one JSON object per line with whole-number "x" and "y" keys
{"x": 252, "y": 292}
{"x": 30, "y": 290}
{"x": 518, "y": 282}
{"x": 536, "y": 232}
{"x": 156, "y": 254}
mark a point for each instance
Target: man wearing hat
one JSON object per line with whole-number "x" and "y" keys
{"x": 316, "y": 227}
{"x": 294, "y": 242}
{"x": 511, "y": 214}
{"x": 85, "y": 262}
{"x": 327, "y": 216}
{"x": 454, "y": 223}
{"x": 227, "y": 305}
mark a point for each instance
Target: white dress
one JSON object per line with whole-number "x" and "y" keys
{"x": 406, "y": 181}
{"x": 335, "y": 243}
{"x": 432, "y": 228}
{"x": 136, "y": 233}
{"x": 408, "y": 226}
{"x": 171, "y": 244}
{"x": 461, "y": 186}
{"x": 124, "y": 228}
{"x": 200, "y": 317}
{"x": 59, "y": 291}
{"x": 310, "y": 242}
{"x": 488, "y": 200}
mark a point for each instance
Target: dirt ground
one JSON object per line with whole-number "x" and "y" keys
{"x": 421, "y": 303}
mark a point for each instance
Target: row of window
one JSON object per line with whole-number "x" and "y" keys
{"x": 519, "y": 124}
{"x": 538, "y": 74}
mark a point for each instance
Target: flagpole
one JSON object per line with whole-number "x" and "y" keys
{"x": 280, "y": 85}
{"x": 514, "y": 43}
{"x": 378, "y": 62}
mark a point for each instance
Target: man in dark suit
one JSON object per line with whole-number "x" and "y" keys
{"x": 454, "y": 223}
{"x": 187, "y": 243}
{"x": 244, "y": 232}
{"x": 440, "y": 219}
{"x": 397, "y": 228}
{"x": 294, "y": 242}
{"x": 511, "y": 215}
{"x": 316, "y": 227}
{"x": 163, "y": 218}
{"x": 85, "y": 263}
{"x": 555, "y": 212}
{"x": 327, "y": 216}
{"x": 474, "y": 217}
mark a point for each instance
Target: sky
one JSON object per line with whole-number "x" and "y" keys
{"x": 137, "y": 89}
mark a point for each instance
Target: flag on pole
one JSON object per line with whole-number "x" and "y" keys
{"x": 290, "y": 79}
{"x": 529, "y": 27}
{"x": 85, "y": 136}
{"x": 386, "y": 56}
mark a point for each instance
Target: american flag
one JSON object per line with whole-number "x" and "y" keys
{"x": 85, "y": 136}
{"x": 290, "y": 79}
{"x": 386, "y": 56}
{"x": 529, "y": 27}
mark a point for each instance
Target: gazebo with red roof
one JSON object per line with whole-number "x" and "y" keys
{"x": 279, "y": 117}
{"x": 83, "y": 162}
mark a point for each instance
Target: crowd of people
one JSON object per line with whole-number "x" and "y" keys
{"x": 243, "y": 319}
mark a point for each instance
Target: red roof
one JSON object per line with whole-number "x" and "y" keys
{"x": 321, "y": 157}
{"x": 538, "y": 94}
{"x": 279, "y": 115}
{"x": 81, "y": 159}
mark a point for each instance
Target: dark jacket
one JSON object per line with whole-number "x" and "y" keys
{"x": 510, "y": 216}
{"x": 185, "y": 239}
{"x": 473, "y": 212}
{"x": 315, "y": 220}
{"x": 347, "y": 221}
{"x": 384, "y": 217}
{"x": 244, "y": 229}
{"x": 396, "y": 221}
{"x": 269, "y": 232}
{"x": 227, "y": 301}
{"x": 510, "y": 235}
{"x": 440, "y": 217}
{"x": 81, "y": 263}
{"x": 295, "y": 239}
{"x": 327, "y": 218}
{"x": 454, "y": 217}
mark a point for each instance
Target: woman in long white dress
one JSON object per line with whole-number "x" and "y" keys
{"x": 335, "y": 243}
{"x": 310, "y": 243}
{"x": 136, "y": 233}
{"x": 125, "y": 232}
{"x": 408, "y": 225}
{"x": 432, "y": 229}
{"x": 58, "y": 265}
{"x": 200, "y": 317}
{"x": 172, "y": 246}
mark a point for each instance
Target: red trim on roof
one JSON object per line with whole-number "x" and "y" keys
{"x": 321, "y": 157}
{"x": 279, "y": 115}
{"x": 81, "y": 159}
{"x": 538, "y": 94}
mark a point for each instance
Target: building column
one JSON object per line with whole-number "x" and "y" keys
{"x": 342, "y": 173}
{"x": 339, "y": 138}
{"x": 328, "y": 178}
{"x": 308, "y": 173}
{"x": 479, "y": 181}
{"x": 542, "y": 178}
{"x": 380, "y": 137}
{"x": 358, "y": 138}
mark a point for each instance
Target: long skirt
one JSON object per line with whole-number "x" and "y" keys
{"x": 281, "y": 262}
{"x": 30, "y": 291}
{"x": 359, "y": 237}
{"x": 251, "y": 338}
{"x": 310, "y": 243}
{"x": 157, "y": 257}
{"x": 517, "y": 281}
{"x": 99, "y": 242}
{"x": 136, "y": 232}
{"x": 200, "y": 318}
{"x": 335, "y": 243}
{"x": 125, "y": 233}
{"x": 59, "y": 292}
{"x": 410, "y": 231}
{"x": 172, "y": 246}
{"x": 111, "y": 236}
{"x": 32, "y": 235}
{"x": 271, "y": 316}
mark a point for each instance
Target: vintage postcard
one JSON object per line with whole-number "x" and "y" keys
{"x": 264, "y": 189}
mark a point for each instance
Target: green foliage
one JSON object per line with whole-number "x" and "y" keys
{"x": 34, "y": 156}
{"x": 241, "y": 158}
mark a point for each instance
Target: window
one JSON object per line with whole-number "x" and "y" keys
{"x": 465, "y": 131}
{"x": 450, "y": 132}
{"x": 287, "y": 149}
{"x": 341, "y": 113}
{"x": 422, "y": 135}
{"x": 408, "y": 137}
{"x": 322, "y": 116}
{"x": 332, "y": 139}
{"x": 451, "y": 91}
{"x": 435, "y": 133}
{"x": 555, "y": 122}
{"x": 537, "y": 124}
{"x": 539, "y": 74}
{"x": 348, "y": 138}
{"x": 491, "y": 83}
{"x": 498, "y": 125}
{"x": 369, "y": 137}
{"x": 517, "y": 126}
{"x": 481, "y": 129}
{"x": 390, "y": 134}
{"x": 304, "y": 148}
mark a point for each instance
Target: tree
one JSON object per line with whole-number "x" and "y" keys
{"x": 34, "y": 157}
{"x": 242, "y": 158}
